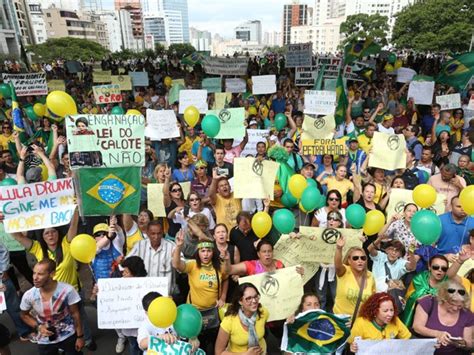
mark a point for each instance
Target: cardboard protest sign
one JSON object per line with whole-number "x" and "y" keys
{"x": 106, "y": 94}
{"x": 232, "y": 122}
{"x": 56, "y": 85}
{"x": 102, "y": 76}
{"x": 324, "y": 146}
{"x": 255, "y": 136}
{"x": 36, "y": 206}
{"x": 263, "y": 84}
{"x": 396, "y": 346}
{"x": 254, "y": 178}
{"x": 331, "y": 65}
{"x": 404, "y": 75}
{"x": 351, "y": 71}
{"x": 225, "y": 66}
{"x": 124, "y": 81}
{"x": 178, "y": 82}
{"x": 235, "y": 85}
{"x": 119, "y": 300}
{"x": 318, "y": 128}
{"x": 330, "y": 84}
{"x": 161, "y": 124}
{"x": 388, "y": 151}
{"x": 449, "y": 102}
{"x": 221, "y": 100}
{"x": 421, "y": 92}
{"x": 106, "y": 140}
{"x": 156, "y": 200}
{"x": 299, "y": 55}
{"x": 212, "y": 85}
{"x": 196, "y": 98}
{"x": 319, "y": 102}
{"x": 139, "y": 78}
{"x": 28, "y": 83}
{"x": 470, "y": 105}
{"x": 157, "y": 346}
{"x": 280, "y": 291}
{"x": 305, "y": 76}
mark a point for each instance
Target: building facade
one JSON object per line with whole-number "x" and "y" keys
{"x": 37, "y": 22}
{"x": 66, "y": 23}
{"x": 294, "y": 14}
{"x": 155, "y": 26}
{"x": 201, "y": 40}
{"x": 174, "y": 6}
{"x": 250, "y": 31}
{"x": 134, "y": 7}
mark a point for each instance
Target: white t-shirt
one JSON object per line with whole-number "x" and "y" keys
{"x": 147, "y": 330}
{"x": 382, "y": 129}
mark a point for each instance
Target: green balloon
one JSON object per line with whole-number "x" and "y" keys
{"x": 311, "y": 182}
{"x": 426, "y": 227}
{"x": 188, "y": 321}
{"x": 355, "y": 215}
{"x": 30, "y": 113}
{"x": 288, "y": 200}
{"x": 117, "y": 110}
{"x": 392, "y": 58}
{"x": 284, "y": 221}
{"x": 280, "y": 121}
{"x": 211, "y": 125}
{"x": 5, "y": 90}
{"x": 322, "y": 202}
{"x": 8, "y": 182}
{"x": 310, "y": 198}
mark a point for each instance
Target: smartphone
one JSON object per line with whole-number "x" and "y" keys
{"x": 221, "y": 171}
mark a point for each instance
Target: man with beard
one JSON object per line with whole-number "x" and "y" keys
{"x": 447, "y": 183}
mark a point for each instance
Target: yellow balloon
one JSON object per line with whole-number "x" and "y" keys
{"x": 302, "y": 208}
{"x": 389, "y": 67}
{"x": 83, "y": 248}
{"x": 261, "y": 224}
{"x": 222, "y": 310}
{"x": 252, "y": 110}
{"x": 297, "y": 184}
{"x": 398, "y": 63}
{"x": 133, "y": 112}
{"x": 39, "y": 109}
{"x": 162, "y": 312}
{"x": 60, "y": 104}
{"x": 191, "y": 116}
{"x": 168, "y": 81}
{"x": 374, "y": 222}
{"x": 44, "y": 172}
{"x": 467, "y": 199}
{"x": 424, "y": 195}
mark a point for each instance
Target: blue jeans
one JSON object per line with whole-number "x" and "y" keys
{"x": 133, "y": 348}
{"x": 13, "y": 308}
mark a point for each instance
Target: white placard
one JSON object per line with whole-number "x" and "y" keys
{"x": 470, "y": 105}
{"x": 161, "y": 124}
{"x": 299, "y": 55}
{"x": 319, "y": 102}
{"x": 119, "y": 300}
{"x": 305, "y": 76}
{"x": 421, "y": 92}
{"x": 264, "y": 84}
{"x": 197, "y": 98}
{"x": 225, "y": 66}
{"x": 449, "y": 102}
{"x": 28, "y": 83}
{"x": 255, "y": 136}
{"x": 235, "y": 85}
{"x": 3, "y": 302}
{"x": 404, "y": 75}
{"x": 139, "y": 78}
{"x": 396, "y": 347}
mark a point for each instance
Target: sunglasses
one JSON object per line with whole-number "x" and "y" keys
{"x": 100, "y": 234}
{"x": 453, "y": 290}
{"x": 193, "y": 199}
{"x": 176, "y": 190}
{"x": 357, "y": 257}
{"x": 437, "y": 267}
{"x": 333, "y": 199}
{"x": 201, "y": 168}
{"x": 333, "y": 219}
{"x": 6, "y": 127}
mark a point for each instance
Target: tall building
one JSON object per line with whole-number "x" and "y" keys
{"x": 134, "y": 7}
{"x": 272, "y": 38}
{"x": 65, "y": 23}
{"x": 9, "y": 41}
{"x": 22, "y": 21}
{"x": 112, "y": 25}
{"x": 250, "y": 31}
{"x": 37, "y": 22}
{"x": 129, "y": 41}
{"x": 155, "y": 26}
{"x": 201, "y": 40}
{"x": 294, "y": 14}
{"x": 180, "y": 6}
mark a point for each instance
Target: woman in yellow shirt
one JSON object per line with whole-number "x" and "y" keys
{"x": 243, "y": 328}
{"x": 339, "y": 182}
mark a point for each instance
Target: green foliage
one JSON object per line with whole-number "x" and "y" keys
{"x": 361, "y": 26}
{"x": 159, "y": 49}
{"x": 435, "y": 25}
{"x": 276, "y": 49}
{"x": 180, "y": 50}
{"x": 68, "y": 48}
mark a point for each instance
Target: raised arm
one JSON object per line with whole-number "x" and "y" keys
{"x": 244, "y": 141}
{"x": 176, "y": 262}
{"x": 340, "y": 269}
{"x": 49, "y": 166}
{"x": 213, "y": 187}
{"x": 20, "y": 171}
{"x": 72, "y": 231}
{"x": 292, "y": 124}
{"x": 166, "y": 188}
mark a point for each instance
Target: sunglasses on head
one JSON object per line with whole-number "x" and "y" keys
{"x": 454, "y": 290}
{"x": 437, "y": 267}
{"x": 357, "y": 257}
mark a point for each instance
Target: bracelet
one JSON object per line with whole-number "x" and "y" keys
{"x": 80, "y": 336}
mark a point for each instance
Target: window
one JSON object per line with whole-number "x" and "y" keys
{"x": 48, "y": 15}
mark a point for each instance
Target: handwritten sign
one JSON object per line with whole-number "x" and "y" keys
{"x": 299, "y": 55}
{"x": 196, "y": 98}
{"x": 124, "y": 81}
{"x": 221, "y": 100}
{"x": 212, "y": 85}
{"x": 106, "y": 140}
{"x": 331, "y": 65}
{"x": 263, "y": 84}
{"x": 388, "y": 151}
{"x": 161, "y": 124}
{"x": 232, "y": 122}
{"x": 106, "y": 94}
{"x": 225, "y": 66}
{"x": 119, "y": 300}
{"x": 405, "y": 75}
{"x": 36, "y": 206}
{"x": 235, "y": 85}
{"x": 156, "y": 200}
{"x": 102, "y": 76}
{"x": 396, "y": 346}
{"x": 280, "y": 291}
{"x": 449, "y": 102}
{"x": 324, "y": 146}
{"x": 56, "y": 85}
{"x": 318, "y": 128}
{"x": 305, "y": 76}
{"x": 254, "y": 179}
{"x": 421, "y": 92}
{"x": 28, "y": 83}
{"x": 319, "y": 102}
{"x": 139, "y": 78}
{"x": 255, "y": 136}
{"x": 157, "y": 346}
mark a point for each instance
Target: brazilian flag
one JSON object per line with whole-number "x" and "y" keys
{"x": 318, "y": 84}
{"x": 368, "y": 74}
{"x": 109, "y": 191}
{"x": 315, "y": 332}
{"x": 193, "y": 59}
{"x": 18, "y": 124}
{"x": 457, "y": 72}
{"x": 341, "y": 101}
{"x": 359, "y": 49}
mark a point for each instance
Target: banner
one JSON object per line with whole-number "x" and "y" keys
{"x": 396, "y": 346}
{"x": 102, "y": 76}
{"x": 124, "y": 81}
{"x": 178, "y": 82}
{"x": 106, "y": 140}
{"x": 299, "y": 55}
{"x": 305, "y": 76}
{"x": 161, "y": 124}
{"x": 56, "y": 85}
{"x": 157, "y": 346}
{"x": 449, "y": 102}
{"x": 324, "y": 146}
{"x": 139, "y": 78}
{"x": 28, "y": 84}
{"x": 404, "y": 75}
{"x": 225, "y": 66}
{"x": 36, "y": 206}
{"x": 212, "y": 85}
{"x": 330, "y": 84}
{"x": 319, "y": 102}
{"x": 421, "y": 92}
{"x": 155, "y": 200}
{"x": 119, "y": 300}
{"x": 264, "y": 84}
{"x": 196, "y": 98}
{"x": 255, "y": 136}
{"x": 254, "y": 178}
{"x": 280, "y": 291}
{"x": 232, "y": 122}
{"x": 235, "y": 85}
{"x": 318, "y": 128}
{"x": 388, "y": 151}
{"x": 106, "y": 94}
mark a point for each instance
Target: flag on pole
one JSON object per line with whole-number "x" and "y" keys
{"x": 18, "y": 124}
{"x": 458, "y": 71}
{"x": 318, "y": 84}
{"x": 341, "y": 101}
{"x": 359, "y": 49}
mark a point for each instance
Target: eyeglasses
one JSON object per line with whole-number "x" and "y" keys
{"x": 333, "y": 199}
{"x": 453, "y": 290}
{"x": 437, "y": 267}
{"x": 100, "y": 234}
{"x": 249, "y": 299}
{"x": 458, "y": 113}
{"x": 176, "y": 190}
{"x": 333, "y": 219}
{"x": 6, "y": 127}
{"x": 357, "y": 257}
{"x": 201, "y": 168}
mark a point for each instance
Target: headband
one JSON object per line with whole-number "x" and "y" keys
{"x": 209, "y": 245}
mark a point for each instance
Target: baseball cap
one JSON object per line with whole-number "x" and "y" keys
{"x": 388, "y": 117}
{"x": 101, "y": 227}
{"x": 200, "y": 163}
{"x": 308, "y": 164}
{"x": 252, "y": 122}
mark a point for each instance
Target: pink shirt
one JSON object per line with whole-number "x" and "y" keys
{"x": 446, "y": 188}
{"x": 232, "y": 153}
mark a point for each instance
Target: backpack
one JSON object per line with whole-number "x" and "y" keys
{"x": 410, "y": 179}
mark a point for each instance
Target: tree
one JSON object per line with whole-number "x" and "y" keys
{"x": 275, "y": 49}
{"x": 181, "y": 50}
{"x": 435, "y": 25}
{"x": 361, "y": 26}
{"x": 68, "y": 48}
{"x": 159, "y": 49}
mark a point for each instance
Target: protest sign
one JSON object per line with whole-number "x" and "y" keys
{"x": 124, "y": 81}
{"x": 119, "y": 300}
{"x": 263, "y": 84}
{"x": 139, "y": 78}
{"x": 102, "y": 76}
{"x": 36, "y": 206}
{"x": 161, "y": 124}
{"x": 305, "y": 76}
{"x": 255, "y": 136}
{"x": 421, "y": 92}
{"x": 330, "y": 84}
{"x": 396, "y": 346}
{"x": 56, "y": 85}
{"x": 106, "y": 94}
{"x": 196, "y": 98}
{"x": 28, "y": 83}
{"x": 232, "y": 122}
{"x": 318, "y": 128}
{"x": 254, "y": 178}
{"x": 225, "y": 66}
{"x": 319, "y": 102}
{"x": 331, "y": 66}
{"x": 388, "y": 151}
{"x": 156, "y": 200}
{"x": 3, "y": 302}
{"x": 221, "y": 100}
{"x": 280, "y": 291}
{"x": 235, "y": 85}
{"x": 470, "y": 105}
{"x": 106, "y": 140}
{"x": 401, "y": 197}
{"x": 351, "y": 71}
{"x": 404, "y": 75}
{"x": 324, "y": 146}
{"x": 212, "y": 85}
{"x": 299, "y": 55}
{"x": 178, "y": 82}
{"x": 449, "y": 102}
{"x": 157, "y": 346}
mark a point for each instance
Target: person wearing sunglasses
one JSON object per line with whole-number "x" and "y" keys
{"x": 333, "y": 203}
{"x": 446, "y": 317}
{"x": 202, "y": 181}
{"x": 6, "y": 135}
{"x": 173, "y": 198}
{"x": 424, "y": 283}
